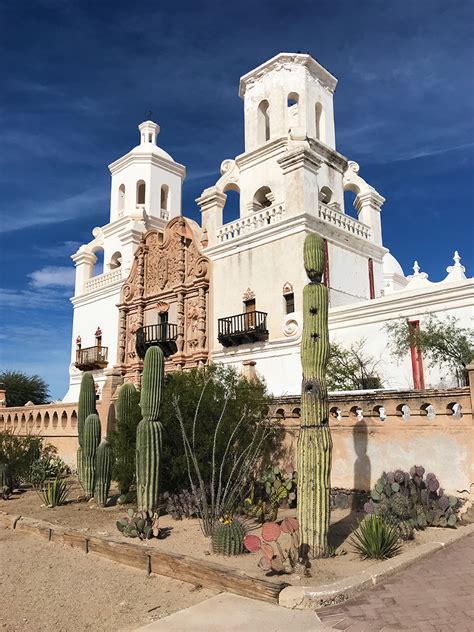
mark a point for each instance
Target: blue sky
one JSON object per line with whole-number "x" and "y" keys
{"x": 78, "y": 76}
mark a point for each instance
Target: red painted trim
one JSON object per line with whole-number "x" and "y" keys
{"x": 416, "y": 360}
{"x": 371, "y": 279}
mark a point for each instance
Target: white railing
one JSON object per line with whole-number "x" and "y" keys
{"x": 251, "y": 223}
{"x": 344, "y": 222}
{"x": 102, "y": 280}
{"x": 164, "y": 214}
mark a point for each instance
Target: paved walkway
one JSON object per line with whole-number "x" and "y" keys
{"x": 436, "y": 594}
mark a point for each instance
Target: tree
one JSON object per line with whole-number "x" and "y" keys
{"x": 22, "y": 388}
{"x": 442, "y": 342}
{"x": 352, "y": 368}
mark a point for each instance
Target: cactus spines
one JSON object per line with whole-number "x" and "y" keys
{"x": 124, "y": 439}
{"x": 149, "y": 431}
{"x": 228, "y": 538}
{"x": 314, "y": 440}
{"x": 91, "y": 440}
{"x": 103, "y": 472}
{"x": 86, "y": 407}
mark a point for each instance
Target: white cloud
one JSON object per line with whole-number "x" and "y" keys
{"x": 53, "y": 276}
{"x": 60, "y": 249}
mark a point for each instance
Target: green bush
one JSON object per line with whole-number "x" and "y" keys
{"x": 19, "y": 454}
{"x": 246, "y": 399}
{"x": 375, "y": 539}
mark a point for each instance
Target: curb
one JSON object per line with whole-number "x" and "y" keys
{"x": 303, "y": 597}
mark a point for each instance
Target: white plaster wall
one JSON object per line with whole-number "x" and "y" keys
{"x": 348, "y": 274}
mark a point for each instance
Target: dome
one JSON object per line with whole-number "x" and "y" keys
{"x": 153, "y": 149}
{"x": 391, "y": 265}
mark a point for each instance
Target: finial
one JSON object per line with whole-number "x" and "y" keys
{"x": 456, "y": 258}
{"x": 416, "y": 268}
{"x": 456, "y": 272}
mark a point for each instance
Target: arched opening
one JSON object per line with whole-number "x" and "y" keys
{"x": 121, "y": 200}
{"x": 15, "y": 420}
{"x": 140, "y": 192}
{"x": 380, "y": 412}
{"x": 165, "y": 191}
{"x": 64, "y": 419}
{"x": 231, "y": 210}
{"x": 403, "y": 411}
{"x": 296, "y": 412}
{"x": 55, "y": 419}
{"x": 292, "y": 104}
{"x": 46, "y": 419}
{"x": 115, "y": 260}
{"x": 280, "y": 413}
{"x": 325, "y": 195}
{"x": 428, "y": 411}
{"x": 23, "y": 419}
{"x": 38, "y": 420}
{"x": 350, "y": 195}
{"x": 30, "y": 420}
{"x": 336, "y": 413}
{"x": 99, "y": 262}
{"x": 262, "y": 198}
{"x": 263, "y": 121}
{"x": 320, "y": 123}
{"x": 73, "y": 419}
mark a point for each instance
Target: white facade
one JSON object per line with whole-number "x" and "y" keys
{"x": 291, "y": 181}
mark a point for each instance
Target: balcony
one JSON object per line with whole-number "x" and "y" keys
{"x": 91, "y": 358}
{"x": 162, "y": 335}
{"x": 242, "y": 328}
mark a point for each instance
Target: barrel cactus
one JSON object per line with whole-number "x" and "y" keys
{"x": 228, "y": 537}
{"x": 87, "y": 406}
{"x": 103, "y": 472}
{"x": 91, "y": 440}
{"x": 149, "y": 431}
{"x": 314, "y": 440}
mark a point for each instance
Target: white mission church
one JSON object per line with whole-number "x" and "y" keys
{"x": 232, "y": 293}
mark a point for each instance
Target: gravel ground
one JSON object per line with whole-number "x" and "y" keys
{"x": 44, "y": 587}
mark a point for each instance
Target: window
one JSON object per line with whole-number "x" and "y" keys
{"x": 121, "y": 200}
{"x": 115, "y": 260}
{"x": 289, "y": 303}
{"x": 320, "y": 123}
{"x": 292, "y": 109}
{"x": 164, "y": 197}
{"x": 231, "y": 209}
{"x": 263, "y": 122}
{"x": 140, "y": 192}
{"x": 98, "y": 266}
{"x": 325, "y": 195}
{"x": 262, "y": 198}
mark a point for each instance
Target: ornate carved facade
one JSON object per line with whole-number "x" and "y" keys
{"x": 168, "y": 283}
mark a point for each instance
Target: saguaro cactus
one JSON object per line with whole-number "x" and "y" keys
{"x": 91, "y": 440}
{"x": 103, "y": 472}
{"x": 86, "y": 408}
{"x": 124, "y": 439}
{"x": 314, "y": 441}
{"x": 149, "y": 431}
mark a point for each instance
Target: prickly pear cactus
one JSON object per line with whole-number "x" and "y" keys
{"x": 87, "y": 406}
{"x": 91, "y": 440}
{"x": 228, "y": 537}
{"x": 314, "y": 440}
{"x": 149, "y": 431}
{"x": 103, "y": 472}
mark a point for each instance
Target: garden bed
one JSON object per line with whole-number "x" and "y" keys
{"x": 184, "y": 543}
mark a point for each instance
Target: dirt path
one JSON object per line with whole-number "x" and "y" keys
{"x": 46, "y": 587}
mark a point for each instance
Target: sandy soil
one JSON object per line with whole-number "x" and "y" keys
{"x": 53, "y": 588}
{"x": 185, "y": 536}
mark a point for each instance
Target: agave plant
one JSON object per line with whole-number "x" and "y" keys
{"x": 54, "y": 492}
{"x": 376, "y": 539}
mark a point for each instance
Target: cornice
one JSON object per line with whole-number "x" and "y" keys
{"x": 267, "y": 150}
{"x": 100, "y": 293}
{"x": 148, "y": 158}
{"x": 330, "y": 156}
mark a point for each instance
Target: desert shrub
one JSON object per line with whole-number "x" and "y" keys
{"x": 53, "y": 492}
{"x": 184, "y": 504}
{"x": 49, "y": 465}
{"x": 247, "y": 404}
{"x": 376, "y": 539}
{"x": 19, "y": 453}
{"x": 275, "y": 487}
{"x": 412, "y": 501}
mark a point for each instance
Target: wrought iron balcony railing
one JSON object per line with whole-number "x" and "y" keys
{"x": 161, "y": 335}
{"x": 91, "y": 358}
{"x": 242, "y": 328}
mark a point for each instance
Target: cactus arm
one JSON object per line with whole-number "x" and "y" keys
{"x": 103, "y": 472}
{"x": 314, "y": 439}
{"x": 91, "y": 442}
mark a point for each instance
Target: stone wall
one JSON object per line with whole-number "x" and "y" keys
{"x": 385, "y": 430}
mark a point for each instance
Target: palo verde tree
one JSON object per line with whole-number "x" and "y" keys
{"x": 22, "y": 388}
{"x": 352, "y": 368}
{"x": 314, "y": 440}
{"x": 442, "y": 342}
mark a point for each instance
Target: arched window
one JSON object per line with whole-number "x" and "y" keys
{"x": 164, "y": 197}
{"x": 262, "y": 198}
{"x": 349, "y": 202}
{"x": 140, "y": 192}
{"x": 263, "y": 122}
{"x": 320, "y": 123}
{"x": 115, "y": 260}
{"x": 99, "y": 262}
{"x": 121, "y": 200}
{"x": 232, "y": 204}
{"x": 293, "y": 109}
{"x": 325, "y": 195}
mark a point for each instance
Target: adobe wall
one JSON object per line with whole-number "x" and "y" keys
{"x": 368, "y": 440}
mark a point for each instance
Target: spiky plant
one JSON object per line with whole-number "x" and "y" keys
{"x": 149, "y": 431}
{"x": 314, "y": 440}
{"x": 228, "y": 537}
{"x": 87, "y": 406}
{"x": 91, "y": 440}
{"x": 376, "y": 539}
{"x": 103, "y": 472}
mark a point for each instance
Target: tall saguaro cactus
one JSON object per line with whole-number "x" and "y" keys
{"x": 103, "y": 472}
{"x": 314, "y": 440}
{"x": 91, "y": 440}
{"x": 149, "y": 431}
{"x": 86, "y": 407}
